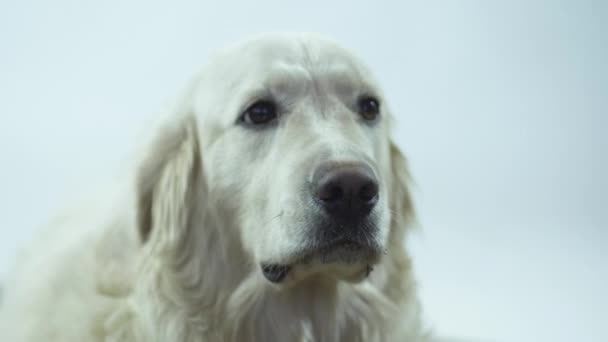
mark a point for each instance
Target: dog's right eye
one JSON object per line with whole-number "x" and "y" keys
{"x": 260, "y": 113}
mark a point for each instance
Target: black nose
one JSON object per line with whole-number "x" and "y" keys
{"x": 346, "y": 191}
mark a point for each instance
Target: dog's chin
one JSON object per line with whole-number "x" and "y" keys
{"x": 341, "y": 260}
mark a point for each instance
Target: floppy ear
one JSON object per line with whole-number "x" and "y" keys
{"x": 168, "y": 188}
{"x": 401, "y": 203}
{"x": 169, "y": 185}
{"x": 402, "y": 215}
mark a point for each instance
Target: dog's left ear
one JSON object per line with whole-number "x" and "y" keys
{"x": 401, "y": 201}
{"x": 402, "y": 217}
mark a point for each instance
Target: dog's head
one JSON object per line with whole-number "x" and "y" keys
{"x": 294, "y": 137}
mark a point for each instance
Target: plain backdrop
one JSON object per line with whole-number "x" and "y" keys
{"x": 502, "y": 109}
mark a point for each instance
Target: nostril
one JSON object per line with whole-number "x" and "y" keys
{"x": 369, "y": 192}
{"x": 330, "y": 193}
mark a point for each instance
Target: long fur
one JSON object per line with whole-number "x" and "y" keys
{"x": 171, "y": 267}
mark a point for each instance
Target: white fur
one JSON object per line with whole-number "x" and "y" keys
{"x": 174, "y": 255}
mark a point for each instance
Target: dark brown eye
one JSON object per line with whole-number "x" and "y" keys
{"x": 259, "y": 113}
{"x": 369, "y": 107}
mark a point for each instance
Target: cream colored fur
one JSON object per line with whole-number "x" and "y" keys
{"x": 173, "y": 254}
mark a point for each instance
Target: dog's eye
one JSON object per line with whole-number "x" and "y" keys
{"x": 369, "y": 107}
{"x": 259, "y": 113}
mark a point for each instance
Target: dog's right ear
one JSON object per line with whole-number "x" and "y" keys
{"x": 169, "y": 184}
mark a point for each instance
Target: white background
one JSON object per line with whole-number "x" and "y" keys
{"x": 502, "y": 110}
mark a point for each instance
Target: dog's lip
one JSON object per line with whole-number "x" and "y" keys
{"x": 277, "y": 272}
{"x": 346, "y": 244}
{"x": 342, "y": 244}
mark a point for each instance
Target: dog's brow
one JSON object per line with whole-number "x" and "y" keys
{"x": 346, "y": 80}
{"x": 287, "y": 80}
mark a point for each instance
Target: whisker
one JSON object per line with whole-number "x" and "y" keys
{"x": 276, "y": 216}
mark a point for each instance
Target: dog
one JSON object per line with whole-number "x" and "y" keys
{"x": 269, "y": 204}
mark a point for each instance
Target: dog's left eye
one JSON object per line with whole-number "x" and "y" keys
{"x": 259, "y": 113}
{"x": 369, "y": 107}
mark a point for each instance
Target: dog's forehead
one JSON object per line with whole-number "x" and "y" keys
{"x": 295, "y": 48}
{"x": 281, "y": 64}
{"x": 275, "y": 55}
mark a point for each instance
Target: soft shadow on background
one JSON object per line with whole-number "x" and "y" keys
{"x": 502, "y": 108}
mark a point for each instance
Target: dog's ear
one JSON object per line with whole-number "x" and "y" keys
{"x": 169, "y": 184}
{"x": 401, "y": 201}
{"x": 402, "y": 217}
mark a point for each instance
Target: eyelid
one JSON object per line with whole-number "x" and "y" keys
{"x": 369, "y": 95}
{"x": 242, "y": 118}
{"x": 256, "y": 97}
{"x": 252, "y": 98}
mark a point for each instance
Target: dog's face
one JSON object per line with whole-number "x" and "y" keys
{"x": 295, "y": 143}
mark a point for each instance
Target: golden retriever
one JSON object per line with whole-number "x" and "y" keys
{"x": 270, "y": 205}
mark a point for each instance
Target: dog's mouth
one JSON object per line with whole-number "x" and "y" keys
{"x": 344, "y": 252}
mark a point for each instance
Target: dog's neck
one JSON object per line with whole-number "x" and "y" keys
{"x": 317, "y": 309}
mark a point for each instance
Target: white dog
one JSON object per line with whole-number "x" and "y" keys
{"x": 270, "y": 205}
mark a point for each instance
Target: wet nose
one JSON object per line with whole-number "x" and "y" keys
{"x": 346, "y": 192}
